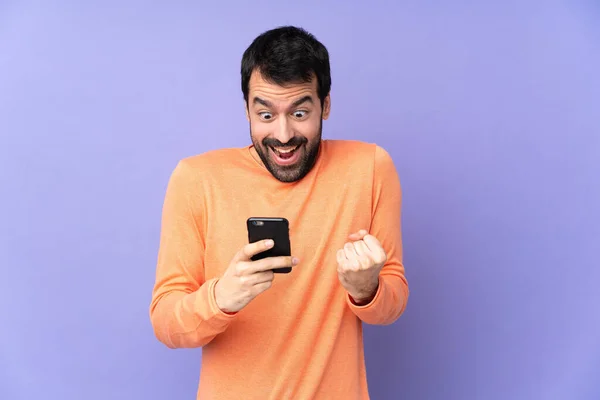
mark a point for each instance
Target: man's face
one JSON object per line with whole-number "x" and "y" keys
{"x": 285, "y": 125}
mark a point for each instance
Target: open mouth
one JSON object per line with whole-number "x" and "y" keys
{"x": 285, "y": 155}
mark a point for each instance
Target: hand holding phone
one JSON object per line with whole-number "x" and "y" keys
{"x": 251, "y": 271}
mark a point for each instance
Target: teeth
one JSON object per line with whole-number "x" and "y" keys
{"x": 279, "y": 150}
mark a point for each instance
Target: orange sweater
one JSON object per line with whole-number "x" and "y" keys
{"x": 302, "y": 338}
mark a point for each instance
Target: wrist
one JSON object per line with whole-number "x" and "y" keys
{"x": 365, "y": 296}
{"x": 218, "y": 301}
{"x": 361, "y": 301}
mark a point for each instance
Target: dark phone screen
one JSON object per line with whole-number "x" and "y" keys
{"x": 270, "y": 228}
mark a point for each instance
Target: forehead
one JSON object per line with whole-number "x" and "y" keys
{"x": 259, "y": 87}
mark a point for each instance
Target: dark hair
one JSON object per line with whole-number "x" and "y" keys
{"x": 285, "y": 55}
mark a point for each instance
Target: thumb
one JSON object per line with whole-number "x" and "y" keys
{"x": 358, "y": 235}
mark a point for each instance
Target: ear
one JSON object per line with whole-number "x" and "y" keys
{"x": 246, "y": 110}
{"x": 326, "y": 106}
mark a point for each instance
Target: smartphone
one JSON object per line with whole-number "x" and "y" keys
{"x": 277, "y": 229}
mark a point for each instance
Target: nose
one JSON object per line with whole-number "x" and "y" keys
{"x": 283, "y": 131}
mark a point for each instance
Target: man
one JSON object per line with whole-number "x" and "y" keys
{"x": 281, "y": 336}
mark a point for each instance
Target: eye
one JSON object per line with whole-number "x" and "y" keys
{"x": 265, "y": 115}
{"x": 300, "y": 113}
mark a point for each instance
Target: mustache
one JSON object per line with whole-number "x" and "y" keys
{"x": 293, "y": 142}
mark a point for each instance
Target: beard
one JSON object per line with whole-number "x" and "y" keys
{"x": 309, "y": 152}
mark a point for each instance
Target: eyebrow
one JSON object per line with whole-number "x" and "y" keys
{"x": 258, "y": 100}
{"x": 305, "y": 99}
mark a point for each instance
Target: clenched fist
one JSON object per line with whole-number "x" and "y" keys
{"x": 359, "y": 264}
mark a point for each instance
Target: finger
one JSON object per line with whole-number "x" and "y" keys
{"x": 350, "y": 251}
{"x": 372, "y": 243}
{"x": 271, "y": 263}
{"x": 353, "y": 264}
{"x": 358, "y": 235}
{"x": 361, "y": 248}
{"x": 342, "y": 260}
{"x": 377, "y": 252}
{"x": 365, "y": 262}
{"x": 261, "y": 287}
{"x": 262, "y": 277}
{"x": 251, "y": 249}
{"x": 349, "y": 258}
{"x": 341, "y": 256}
{"x": 351, "y": 255}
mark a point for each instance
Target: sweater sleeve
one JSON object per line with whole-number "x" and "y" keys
{"x": 183, "y": 309}
{"x": 392, "y": 293}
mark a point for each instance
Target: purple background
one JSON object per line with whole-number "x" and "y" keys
{"x": 490, "y": 111}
